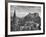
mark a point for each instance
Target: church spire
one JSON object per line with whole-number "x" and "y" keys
{"x": 14, "y": 18}
{"x": 14, "y": 14}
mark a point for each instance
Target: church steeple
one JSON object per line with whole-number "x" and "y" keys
{"x": 14, "y": 18}
{"x": 14, "y": 14}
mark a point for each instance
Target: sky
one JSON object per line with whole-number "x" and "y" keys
{"x": 22, "y": 11}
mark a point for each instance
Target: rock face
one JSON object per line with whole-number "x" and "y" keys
{"x": 33, "y": 17}
{"x": 29, "y": 22}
